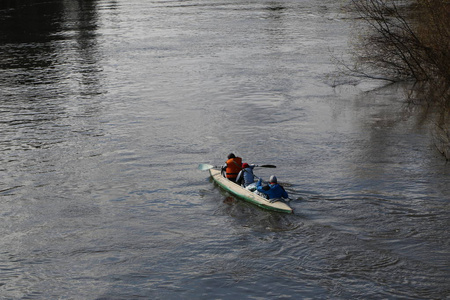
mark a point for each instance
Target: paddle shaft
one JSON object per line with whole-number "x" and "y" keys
{"x": 204, "y": 167}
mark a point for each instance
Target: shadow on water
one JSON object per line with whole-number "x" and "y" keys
{"x": 249, "y": 215}
{"x": 258, "y": 219}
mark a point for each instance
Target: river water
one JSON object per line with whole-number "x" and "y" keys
{"x": 108, "y": 107}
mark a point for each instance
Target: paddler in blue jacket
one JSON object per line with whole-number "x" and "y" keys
{"x": 274, "y": 191}
{"x": 245, "y": 176}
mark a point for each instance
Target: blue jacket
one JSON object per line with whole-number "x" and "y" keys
{"x": 274, "y": 191}
{"x": 246, "y": 176}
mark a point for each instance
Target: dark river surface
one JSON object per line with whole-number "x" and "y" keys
{"x": 108, "y": 107}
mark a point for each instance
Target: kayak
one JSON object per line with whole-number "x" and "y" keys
{"x": 247, "y": 195}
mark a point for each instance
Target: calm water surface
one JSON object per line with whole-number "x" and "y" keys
{"x": 107, "y": 108}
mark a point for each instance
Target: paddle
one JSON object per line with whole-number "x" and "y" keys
{"x": 204, "y": 167}
{"x": 266, "y": 166}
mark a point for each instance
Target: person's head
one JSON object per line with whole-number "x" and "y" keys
{"x": 245, "y": 165}
{"x": 273, "y": 179}
{"x": 231, "y": 155}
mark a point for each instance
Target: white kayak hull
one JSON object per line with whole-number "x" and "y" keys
{"x": 242, "y": 193}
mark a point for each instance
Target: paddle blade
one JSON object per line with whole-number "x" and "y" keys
{"x": 267, "y": 166}
{"x": 204, "y": 167}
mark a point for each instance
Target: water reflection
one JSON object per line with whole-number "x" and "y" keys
{"x": 36, "y": 38}
{"x": 50, "y": 72}
{"x": 82, "y": 20}
{"x": 48, "y": 51}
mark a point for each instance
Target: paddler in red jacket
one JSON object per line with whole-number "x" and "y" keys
{"x": 232, "y": 167}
